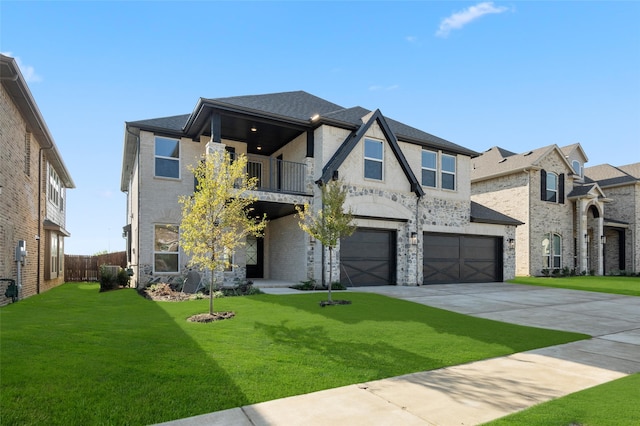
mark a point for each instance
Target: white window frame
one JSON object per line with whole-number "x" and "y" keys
{"x": 555, "y": 190}
{"x": 434, "y": 170}
{"x": 577, "y": 169}
{"x": 162, "y": 157}
{"x": 166, "y": 252}
{"x": 448, "y": 172}
{"x": 54, "y": 187}
{"x": 378, "y": 160}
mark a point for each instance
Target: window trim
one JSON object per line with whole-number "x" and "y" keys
{"x": 447, "y": 172}
{"x": 157, "y": 252}
{"x": 163, "y": 157}
{"x": 378, "y": 160}
{"x": 435, "y": 171}
{"x": 580, "y": 169}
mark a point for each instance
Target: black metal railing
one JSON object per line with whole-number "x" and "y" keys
{"x": 277, "y": 175}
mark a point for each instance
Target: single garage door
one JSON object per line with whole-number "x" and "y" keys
{"x": 368, "y": 258}
{"x": 453, "y": 258}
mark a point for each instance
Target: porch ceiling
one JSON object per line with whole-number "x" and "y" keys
{"x": 273, "y": 210}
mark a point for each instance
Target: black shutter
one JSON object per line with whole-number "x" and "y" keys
{"x": 543, "y": 185}
{"x": 561, "y": 189}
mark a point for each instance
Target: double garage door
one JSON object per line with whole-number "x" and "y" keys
{"x": 368, "y": 257}
{"x": 452, "y": 258}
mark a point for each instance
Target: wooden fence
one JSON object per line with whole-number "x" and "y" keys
{"x": 86, "y": 268}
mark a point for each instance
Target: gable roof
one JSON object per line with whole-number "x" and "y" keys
{"x": 569, "y": 149}
{"x": 607, "y": 175}
{"x": 500, "y": 162}
{"x": 483, "y": 214}
{"x": 352, "y": 140}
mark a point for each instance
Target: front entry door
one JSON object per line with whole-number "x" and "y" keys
{"x": 255, "y": 255}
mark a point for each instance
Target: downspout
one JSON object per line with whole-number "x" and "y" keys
{"x": 38, "y": 261}
{"x": 418, "y": 230}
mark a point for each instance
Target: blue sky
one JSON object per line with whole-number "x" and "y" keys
{"x": 517, "y": 74}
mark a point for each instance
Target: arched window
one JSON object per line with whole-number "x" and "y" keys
{"x": 552, "y": 251}
{"x": 577, "y": 167}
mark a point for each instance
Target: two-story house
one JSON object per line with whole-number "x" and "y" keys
{"x": 33, "y": 183}
{"x": 563, "y": 211}
{"x": 622, "y": 218}
{"x": 409, "y": 192}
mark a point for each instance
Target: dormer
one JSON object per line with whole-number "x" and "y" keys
{"x": 576, "y": 156}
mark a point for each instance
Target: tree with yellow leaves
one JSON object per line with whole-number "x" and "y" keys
{"x": 217, "y": 217}
{"x": 330, "y": 223}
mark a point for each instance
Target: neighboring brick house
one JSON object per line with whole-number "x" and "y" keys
{"x": 566, "y": 215}
{"x": 622, "y": 217}
{"x": 409, "y": 192}
{"x": 33, "y": 183}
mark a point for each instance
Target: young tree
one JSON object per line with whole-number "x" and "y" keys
{"x": 331, "y": 222}
{"x": 217, "y": 218}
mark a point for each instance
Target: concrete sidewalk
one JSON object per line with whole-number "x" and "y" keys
{"x": 480, "y": 391}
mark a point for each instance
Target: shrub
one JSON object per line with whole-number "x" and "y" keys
{"x": 108, "y": 281}
{"x": 546, "y": 272}
{"x": 123, "y": 278}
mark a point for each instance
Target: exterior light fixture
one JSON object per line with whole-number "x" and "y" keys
{"x": 254, "y": 129}
{"x": 259, "y": 148}
{"x": 586, "y": 237}
{"x": 314, "y": 117}
{"x": 512, "y": 243}
{"x": 414, "y": 238}
{"x": 603, "y": 239}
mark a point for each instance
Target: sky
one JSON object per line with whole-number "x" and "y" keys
{"x": 514, "y": 74}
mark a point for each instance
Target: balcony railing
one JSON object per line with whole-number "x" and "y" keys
{"x": 277, "y": 175}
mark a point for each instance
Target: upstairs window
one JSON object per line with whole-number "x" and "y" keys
{"x": 167, "y": 156}
{"x": 448, "y": 172}
{"x": 373, "y": 159}
{"x": 54, "y": 187}
{"x": 577, "y": 167}
{"x": 551, "y": 187}
{"x": 429, "y": 168}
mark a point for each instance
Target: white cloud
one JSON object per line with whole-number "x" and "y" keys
{"x": 462, "y": 18}
{"x": 377, "y": 87}
{"x": 28, "y": 72}
{"x": 411, "y": 39}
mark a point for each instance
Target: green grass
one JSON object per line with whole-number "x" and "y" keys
{"x": 75, "y": 356}
{"x": 629, "y": 286}
{"x": 614, "y": 403}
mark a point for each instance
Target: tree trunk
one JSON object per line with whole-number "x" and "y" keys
{"x": 211, "y": 292}
{"x": 330, "y": 272}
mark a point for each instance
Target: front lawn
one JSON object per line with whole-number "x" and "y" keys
{"x": 629, "y": 286}
{"x": 613, "y": 403}
{"x": 76, "y": 356}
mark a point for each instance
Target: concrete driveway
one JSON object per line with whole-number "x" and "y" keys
{"x": 481, "y": 391}
{"x": 613, "y": 320}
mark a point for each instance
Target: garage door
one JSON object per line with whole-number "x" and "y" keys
{"x": 452, "y": 258}
{"x": 368, "y": 258}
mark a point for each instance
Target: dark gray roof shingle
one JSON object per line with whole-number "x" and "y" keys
{"x": 482, "y": 214}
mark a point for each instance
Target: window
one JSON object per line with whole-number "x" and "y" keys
{"x": 165, "y": 248}
{"x": 429, "y": 168}
{"x": 54, "y": 187}
{"x": 54, "y": 256}
{"x": 167, "y": 154}
{"x": 373, "y": 159}
{"x": 448, "y": 172}
{"x": 552, "y": 187}
{"x": 577, "y": 167}
{"x": 552, "y": 251}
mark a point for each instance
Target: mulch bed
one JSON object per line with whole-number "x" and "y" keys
{"x": 334, "y": 302}
{"x": 217, "y": 316}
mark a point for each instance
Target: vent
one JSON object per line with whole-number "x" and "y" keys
{"x": 528, "y": 153}
{"x": 502, "y": 161}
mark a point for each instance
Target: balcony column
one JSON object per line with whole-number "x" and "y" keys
{"x": 215, "y": 144}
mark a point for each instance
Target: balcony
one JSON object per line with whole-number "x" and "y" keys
{"x": 277, "y": 175}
